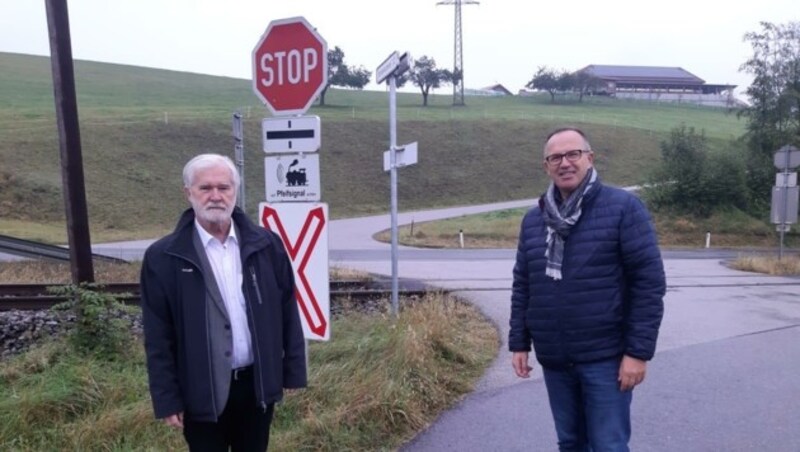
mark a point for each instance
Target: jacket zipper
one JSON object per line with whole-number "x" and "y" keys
{"x": 262, "y": 402}
{"x": 255, "y": 284}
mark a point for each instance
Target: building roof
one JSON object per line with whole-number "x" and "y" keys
{"x": 498, "y": 88}
{"x": 643, "y": 74}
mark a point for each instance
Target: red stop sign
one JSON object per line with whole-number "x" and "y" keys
{"x": 290, "y": 66}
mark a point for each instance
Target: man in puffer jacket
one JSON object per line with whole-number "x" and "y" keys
{"x": 588, "y": 293}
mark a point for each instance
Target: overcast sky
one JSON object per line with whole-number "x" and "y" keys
{"x": 505, "y": 41}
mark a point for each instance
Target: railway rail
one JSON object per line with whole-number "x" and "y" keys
{"x": 37, "y": 296}
{"x": 37, "y": 250}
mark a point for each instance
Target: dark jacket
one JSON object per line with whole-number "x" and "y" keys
{"x": 176, "y": 329}
{"x": 610, "y": 300}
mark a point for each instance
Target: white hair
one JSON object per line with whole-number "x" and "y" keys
{"x": 205, "y": 161}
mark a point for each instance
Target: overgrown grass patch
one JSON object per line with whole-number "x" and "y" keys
{"x": 53, "y": 399}
{"x": 789, "y": 265}
{"x": 381, "y": 381}
{"x": 728, "y": 228}
{"x": 53, "y": 272}
{"x": 373, "y": 386}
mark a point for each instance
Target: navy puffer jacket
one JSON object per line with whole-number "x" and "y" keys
{"x": 610, "y": 300}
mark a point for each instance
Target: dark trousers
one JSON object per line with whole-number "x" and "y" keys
{"x": 243, "y": 426}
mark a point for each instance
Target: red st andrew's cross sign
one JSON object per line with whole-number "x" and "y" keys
{"x": 303, "y": 228}
{"x": 290, "y": 66}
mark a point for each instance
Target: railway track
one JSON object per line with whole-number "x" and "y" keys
{"x": 37, "y": 296}
{"x": 38, "y": 250}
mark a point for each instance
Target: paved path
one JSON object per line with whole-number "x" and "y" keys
{"x": 346, "y": 238}
{"x": 725, "y": 377}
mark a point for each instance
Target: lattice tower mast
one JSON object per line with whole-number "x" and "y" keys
{"x": 458, "y": 51}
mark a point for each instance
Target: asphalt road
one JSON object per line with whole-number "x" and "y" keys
{"x": 725, "y": 377}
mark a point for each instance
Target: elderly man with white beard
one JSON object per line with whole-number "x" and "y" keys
{"x": 222, "y": 331}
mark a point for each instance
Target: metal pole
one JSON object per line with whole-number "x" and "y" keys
{"x": 785, "y": 215}
{"x": 393, "y": 173}
{"x": 238, "y": 149}
{"x": 69, "y": 138}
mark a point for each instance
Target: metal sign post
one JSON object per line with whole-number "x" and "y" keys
{"x": 393, "y": 182}
{"x": 393, "y": 67}
{"x": 238, "y": 151}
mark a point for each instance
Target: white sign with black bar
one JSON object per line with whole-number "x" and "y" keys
{"x": 291, "y": 178}
{"x": 292, "y": 134}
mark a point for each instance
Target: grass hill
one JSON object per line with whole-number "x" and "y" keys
{"x": 139, "y": 126}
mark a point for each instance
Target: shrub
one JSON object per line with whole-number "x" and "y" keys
{"x": 693, "y": 180}
{"x": 99, "y": 330}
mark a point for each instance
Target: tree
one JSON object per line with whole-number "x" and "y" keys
{"x": 693, "y": 180}
{"x": 682, "y": 161}
{"x": 584, "y": 82}
{"x": 340, "y": 74}
{"x": 401, "y": 80}
{"x": 565, "y": 82}
{"x": 545, "y": 79}
{"x": 425, "y": 75}
{"x": 774, "y": 114}
{"x": 553, "y": 82}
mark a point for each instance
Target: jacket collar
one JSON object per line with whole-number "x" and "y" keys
{"x": 587, "y": 200}
{"x": 251, "y": 239}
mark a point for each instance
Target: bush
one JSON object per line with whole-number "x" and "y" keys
{"x": 693, "y": 180}
{"x": 99, "y": 328}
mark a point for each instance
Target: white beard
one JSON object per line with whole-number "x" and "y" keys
{"x": 213, "y": 216}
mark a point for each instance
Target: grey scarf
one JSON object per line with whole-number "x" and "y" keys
{"x": 560, "y": 219}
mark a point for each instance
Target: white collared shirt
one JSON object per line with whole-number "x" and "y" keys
{"x": 227, "y": 266}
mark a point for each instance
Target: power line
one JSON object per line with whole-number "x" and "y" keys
{"x": 458, "y": 65}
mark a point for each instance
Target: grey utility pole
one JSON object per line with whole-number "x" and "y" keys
{"x": 458, "y": 51}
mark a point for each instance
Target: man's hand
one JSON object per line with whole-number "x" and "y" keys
{"x": 519, "y": 360}
{"x": 175, "y": 420}
{"x": 631, "y": 372}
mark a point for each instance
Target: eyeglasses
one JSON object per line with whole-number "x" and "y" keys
{"x": 572, "y": 156}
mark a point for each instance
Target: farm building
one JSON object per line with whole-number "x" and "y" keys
{"x": 494, "y": 90}
{"x": 666, "y": 84}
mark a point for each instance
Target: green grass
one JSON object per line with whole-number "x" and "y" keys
{"x": 139, "y": 126}
{"x": 498, "y": 229}
{"x": 375, "y": 385}
{"x": 729, "y": 228}
{"x": 53, "y": 399}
